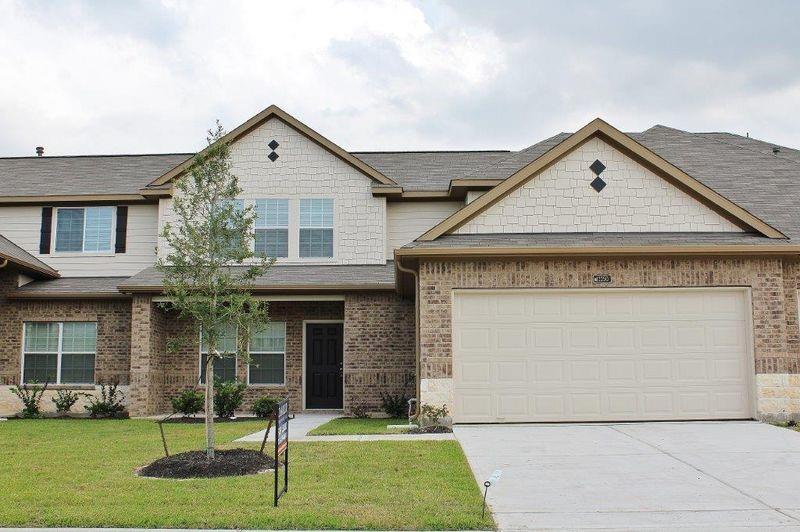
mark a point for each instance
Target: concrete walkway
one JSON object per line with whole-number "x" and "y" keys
{"x": 302, "y": 424}
{"x": 666, "y": 476}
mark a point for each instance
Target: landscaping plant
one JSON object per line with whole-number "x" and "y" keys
{"x": 264, "y": 407}
{"x": 65, "y": 400}
{"x": 432, "y": 415}
{"x": 395, "y": 405}
{"x": 31, "y": 395}
{"x": 228, "y": 397}
{"x": 209, "y": 267}
{"x": 109, "y": 404}
{"x": 188, "y": 403}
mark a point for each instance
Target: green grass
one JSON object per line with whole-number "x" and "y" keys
{"x": 350, "y": 425}
{"x": 58, "y": 473}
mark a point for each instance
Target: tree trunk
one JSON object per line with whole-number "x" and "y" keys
{"x": 210, "y": 404}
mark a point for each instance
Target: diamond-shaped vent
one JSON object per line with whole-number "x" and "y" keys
{"x": 272, "y": 156}
{"x": 273, "y": 144}
{"x": 597, "y": 167}
{"x": 598, "y": 184}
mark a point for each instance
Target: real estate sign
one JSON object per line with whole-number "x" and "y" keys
{"x": 281, "y": 446}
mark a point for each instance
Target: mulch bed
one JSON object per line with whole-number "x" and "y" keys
{"x": 433, "y": 429}
{"x": 194, "y": 464}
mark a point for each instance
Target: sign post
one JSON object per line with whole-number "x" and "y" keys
{"x": 282, "y": 446}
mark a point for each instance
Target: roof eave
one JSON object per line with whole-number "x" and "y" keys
{"x": 683, "y": 249}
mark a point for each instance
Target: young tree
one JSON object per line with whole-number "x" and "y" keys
{"x": 209, "y": 270}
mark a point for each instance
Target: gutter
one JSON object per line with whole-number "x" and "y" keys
{"x": 417, "y": 342}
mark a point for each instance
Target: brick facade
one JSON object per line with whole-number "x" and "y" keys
{"x": 113, "y": 317}
{"x": 772, "y": 281}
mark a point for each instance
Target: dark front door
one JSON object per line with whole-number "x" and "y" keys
{"x": 324, "y": 365}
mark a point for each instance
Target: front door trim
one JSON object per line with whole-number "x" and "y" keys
{"x": 344, "y": 360}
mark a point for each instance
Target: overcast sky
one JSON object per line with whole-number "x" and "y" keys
{"x": 151, "y": 76}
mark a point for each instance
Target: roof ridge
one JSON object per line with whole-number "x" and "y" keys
{"x": 511, "y": 154}
{"x": 745, "y": 148}
{"x": 46, "y": 157}
{"x": 431, "y": 151}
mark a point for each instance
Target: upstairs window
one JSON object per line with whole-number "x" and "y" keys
{"x": 59, "y": 352}
{"x": 272, "y": 227}
{"x": 316, "y": 227}
{"x": 224, "y": 367}
{"x": 84, "y": 229}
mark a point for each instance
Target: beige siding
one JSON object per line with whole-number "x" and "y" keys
{"x": 561, "y": 200}
{"x": 407, "y": 220}
{"x": 306, "y": 170}
{"x": 22, "y": 225}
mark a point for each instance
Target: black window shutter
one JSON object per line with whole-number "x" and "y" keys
{"x": 122, "y": 229}
{"x": 47, "y": 230}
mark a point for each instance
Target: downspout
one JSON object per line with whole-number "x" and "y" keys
{"x": 417, "y": 348}
{"x": 4, "y": 264}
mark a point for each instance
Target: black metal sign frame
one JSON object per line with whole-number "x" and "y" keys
{"x": 281, "y": 446}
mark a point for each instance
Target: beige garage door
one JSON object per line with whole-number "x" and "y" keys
{"x": 601, "y": 355}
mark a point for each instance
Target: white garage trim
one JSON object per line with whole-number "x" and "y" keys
{"x": 675, "y": 353}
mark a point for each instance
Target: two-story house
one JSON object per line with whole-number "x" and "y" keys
{"x": 597, "y": 275}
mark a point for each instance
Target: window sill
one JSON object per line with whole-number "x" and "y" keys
{"x": 68, "y": 255}
{"x": 66, "y": 386}
{"x": 251, "y": 385}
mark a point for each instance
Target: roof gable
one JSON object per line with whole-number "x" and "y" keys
{"x": 11, "y": 252}
{"x": 628, "y": 146}
{"x": 274, "y": 111}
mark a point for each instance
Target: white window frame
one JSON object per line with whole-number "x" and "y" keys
{"x": 332, "y": 227}
{"x": 251, "y": 352}
{"x": 59, "y": 353}
{"x": 201, "y": 353}
{"x": 83, "y": 252}
{"x": 266, "y": 226}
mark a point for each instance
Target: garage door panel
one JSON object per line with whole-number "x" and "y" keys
{"x": 605, "y": 355}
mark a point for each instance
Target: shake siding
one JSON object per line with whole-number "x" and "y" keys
{"x": 406, "y": 221}
{"x": 22, "y": 225}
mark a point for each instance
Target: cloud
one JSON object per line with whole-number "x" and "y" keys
{"x": 122, "y": 77}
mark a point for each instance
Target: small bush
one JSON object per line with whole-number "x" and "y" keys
{"x": 109, "y": 404}
{"x": 30, "y": 395}
{"x": 395, "y": 405}
{"x": 228, "y": 396}
{"x": 65, "y": 400}
{"x": 264, "y": 407}
{"x": 431, "y": 415}
{"x": 189, "y": 402}
{"x": 359, "y": 410}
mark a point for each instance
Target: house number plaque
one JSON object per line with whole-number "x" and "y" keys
{"x": 601, "y": 278}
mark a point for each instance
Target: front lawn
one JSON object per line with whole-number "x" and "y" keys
{"x": 59, "y": 473}
{"x": 350, "y": 425}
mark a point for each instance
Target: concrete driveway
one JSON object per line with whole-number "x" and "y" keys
{"x": 695, "y": 475}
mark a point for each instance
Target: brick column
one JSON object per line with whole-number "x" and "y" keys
{"x": 146, "y": 394}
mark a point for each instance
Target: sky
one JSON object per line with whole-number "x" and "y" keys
{"x": 107, "y": 76}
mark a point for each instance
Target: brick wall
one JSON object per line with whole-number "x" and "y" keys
{"x": 776, "y": 335}
{"x": 113, "y": 317}
{"x": 379, "y": 349}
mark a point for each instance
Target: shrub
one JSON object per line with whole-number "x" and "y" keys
{"x": 30, "y": 395}
{"x": 395, "y": 405}
{"x": 264, "y": 407}
{"x": 228, "y": 396}
{"x": 189, "y": 402}
{"x": 431, "y": 415}
{"x": 359, "y": 410}
{"x": 109, "y": 404}
{"x": 65, "y": 400}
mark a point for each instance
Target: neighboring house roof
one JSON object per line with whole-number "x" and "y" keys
{"x": 13, "y": 253}
{"x": 273, "y": 111}
{"x": 71, "y": 287}
{"x": 296, "y": 278}
{"x": 93, "y": 175}
{"x": 429, "y": 170}
{"x": 596, "y": 244}
{"x": 635, "y": 147}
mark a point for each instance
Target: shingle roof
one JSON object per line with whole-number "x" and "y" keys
{"x": 294, "y": 277}
{"x": 73, "y": 287}
{"x": 593, "y": 240}
{"x": 20, "y": 257}
{"x": 429, "y": 170}
{"x": 85, "y": 174}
